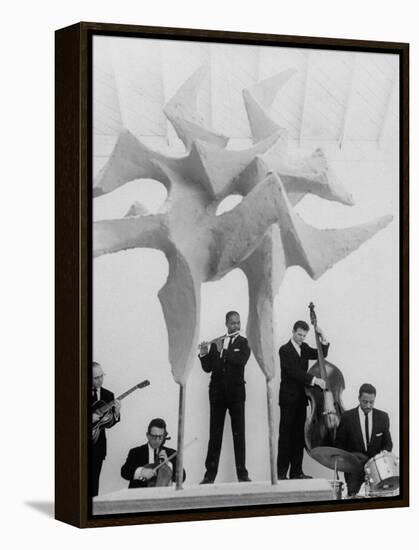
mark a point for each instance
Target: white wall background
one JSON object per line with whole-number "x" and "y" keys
{"x": 357, "y": 300}
{"x": 27, "y": 274}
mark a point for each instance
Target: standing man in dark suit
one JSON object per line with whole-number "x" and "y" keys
{"x": 294, "y": 357}
{"x": 99, "y": 447}
{"x": 225, "y": 358}
{"x": 136, "y": 468}
{"x": 365, "y": 431}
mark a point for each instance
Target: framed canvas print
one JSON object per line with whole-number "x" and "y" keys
{"x": 231, "y": 274}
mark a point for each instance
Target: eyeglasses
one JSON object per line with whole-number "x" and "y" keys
{"x": 153, "y": 436}
{"x": 99, "y": 377}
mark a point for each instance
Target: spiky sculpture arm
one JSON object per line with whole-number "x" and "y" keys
{"x": 236, "y": 234}
{"x": 180, "y": 301}
{"x": 263, "y": 287}
{"x": 129, "y": 160}
{"x": 263, "y": 230}
{"x": 111, "y": 236}
{"x": 179, "y": 295}
{"x": 182, "y": 112}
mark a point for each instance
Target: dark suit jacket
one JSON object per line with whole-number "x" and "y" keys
{"x": 227, "y": 372}
{"x": 349, "y": 434}
{"x": 99, "y": 448}
{"x": 138, "y": 456}
{"x": 294, "y": 369}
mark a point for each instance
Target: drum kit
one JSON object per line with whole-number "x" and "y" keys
{"x": 382, "y": 475}
{"x": 381, "y": 471}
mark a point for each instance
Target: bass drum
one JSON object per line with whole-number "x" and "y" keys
{"x": 382, "y": 473}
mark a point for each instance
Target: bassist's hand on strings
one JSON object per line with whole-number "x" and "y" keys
{"x": 204, "y": 348}
{"x": 95, "y": 418}
{"x": 322, "y": 335}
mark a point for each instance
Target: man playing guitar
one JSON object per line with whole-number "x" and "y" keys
{"x": 100, "y": 394}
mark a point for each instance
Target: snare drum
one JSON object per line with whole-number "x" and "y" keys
{"x": 382, "y": 472}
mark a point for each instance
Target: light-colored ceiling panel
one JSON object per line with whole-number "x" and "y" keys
{"x": 179, "y": 61}
{"x": 370, "y": 100}
{"x": 328, "y": 82}
{"x": 343, "y": 97}
{"x": 106, "y": 110}
{"x": 232, "y": 69}
{"x": 389, "y": 132}
{"x": 138, "y": 75}
{"x": 287, "y": 107}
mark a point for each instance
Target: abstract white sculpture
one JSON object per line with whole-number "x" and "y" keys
{"x": 262, "y": 235}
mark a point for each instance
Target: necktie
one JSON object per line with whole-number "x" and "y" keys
{"x": 95, "y": 396}
{"x": 228, "y": 340}
{"x": 226, "y": 344}
{"x": 367, "y": 431}
{"x": 155, "y": 455}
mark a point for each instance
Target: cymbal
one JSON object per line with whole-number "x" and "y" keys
{"x": 332, "y": 457}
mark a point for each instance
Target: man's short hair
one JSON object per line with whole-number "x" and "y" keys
{"x": 367, "y": 388}
{"x": 95, "y": 364}
{"x": 230, "y": 314}
{"x": 302, "y": 325}
{"x": 157, "y": 423}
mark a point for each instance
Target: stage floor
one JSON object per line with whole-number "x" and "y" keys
{"x": 217, "y": 495}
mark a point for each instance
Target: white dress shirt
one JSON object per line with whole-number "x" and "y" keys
{"x": 362, "y": 422}
{"x": 296, "y": 346}
{"x": 298, "y": 350}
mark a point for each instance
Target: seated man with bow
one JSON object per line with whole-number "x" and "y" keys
{"x": 153, "y": 463}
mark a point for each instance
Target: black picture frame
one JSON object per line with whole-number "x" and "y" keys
{"x": 73, "y": 169}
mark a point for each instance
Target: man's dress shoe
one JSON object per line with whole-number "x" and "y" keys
{"x": 206, "y": 481}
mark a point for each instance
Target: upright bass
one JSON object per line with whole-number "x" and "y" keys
{"x": 325, "y": 406}
{"x": 163, "y": 472}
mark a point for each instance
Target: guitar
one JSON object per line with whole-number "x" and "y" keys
{"x": 104, "y": 410}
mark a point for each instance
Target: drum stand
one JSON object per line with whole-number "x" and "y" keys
{"x": 337, "y": 460}
{"x": 336, "y": 483}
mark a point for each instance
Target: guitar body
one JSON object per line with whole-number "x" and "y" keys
{"x": 106, "y": 419}
{"x": 105, "y": 411}
{"x": 163, "y": 475}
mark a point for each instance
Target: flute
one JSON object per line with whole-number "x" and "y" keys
{"x": 219, "y": 338}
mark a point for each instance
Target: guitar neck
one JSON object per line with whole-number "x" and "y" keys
{"x": 126, "y": 393}
{"x": 109, "y": 405}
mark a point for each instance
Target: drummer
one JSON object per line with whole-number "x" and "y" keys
{"x": 364, "y": 431}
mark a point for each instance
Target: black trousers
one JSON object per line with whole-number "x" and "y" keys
{"x": 97, "y": 461}
{"x": 291, "y": 438}
{"x": 217, "y": 417}
{"x": 354, "y": 480}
